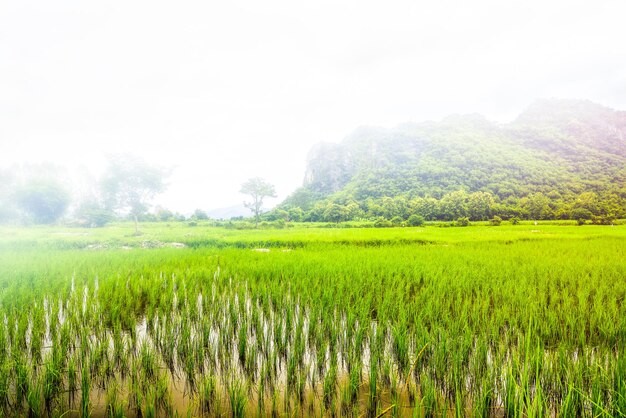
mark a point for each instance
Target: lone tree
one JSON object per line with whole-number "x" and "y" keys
{"x": 129, "y": 184}
{"x": 258, "y": 189}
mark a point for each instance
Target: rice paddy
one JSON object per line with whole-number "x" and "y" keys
{"x": 510, "y": 321}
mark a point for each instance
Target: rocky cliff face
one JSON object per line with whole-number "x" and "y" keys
{"x": 329, "y": 168}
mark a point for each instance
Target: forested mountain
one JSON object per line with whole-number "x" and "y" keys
{"x": 558, "y": 159}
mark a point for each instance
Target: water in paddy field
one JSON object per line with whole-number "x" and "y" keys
{"x": 185, "y": 351}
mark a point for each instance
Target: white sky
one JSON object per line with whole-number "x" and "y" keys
{"x": 227, "y": 90}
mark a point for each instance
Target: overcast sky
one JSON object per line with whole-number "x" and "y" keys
{"x": 227, "y": 90}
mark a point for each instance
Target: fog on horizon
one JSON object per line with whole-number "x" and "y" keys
{"x": 221, "y": 93}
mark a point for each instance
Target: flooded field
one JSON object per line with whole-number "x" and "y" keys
{"x": 470, "y": 328}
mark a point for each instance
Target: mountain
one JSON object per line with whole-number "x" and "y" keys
{"x": 557, "y": 148}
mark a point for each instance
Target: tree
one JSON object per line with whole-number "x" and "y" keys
{"x": 381, "y": 222}
{"x": 282, "y": 215}
{"x": 538, "y": 206}
{"x": 129, "y": 184}
{"x": 353, "y": 210}
{"x": 454, "y": 205}
{"x": 258, "y": 189}
{"x": 581, "y": 213}
{"x": 588, "y": 201}
{"x": 463, "y": 221}
{"x": 428, "y": 207}
{"x": 45, "y": 201}
{"x": 415, "y": 220}
{"x": 90, "y": 213}
{"x": 200, "y": 215}
{"x": 335, "y": 213}
{"x": 479, "y": 205}
{"x": 296, "y": 214}
{"x": 164, "y": 215}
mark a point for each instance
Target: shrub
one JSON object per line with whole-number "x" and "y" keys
{"x": 397, "y": 221}
{"x": 603, "y": 220}
{"x": 382, "y": 223}
{"x": 581, "y": 213}
{"x": 279, "y": 224}
{"x": 165, "y": 215}
{"x": 515, "y": 220}
{"x": 464, "y": 221}
{"x": 415, "y": 220}
{"x": 495, "y": 221}
{"x": 200, "y": 215}
{"x": 94, "y": 217}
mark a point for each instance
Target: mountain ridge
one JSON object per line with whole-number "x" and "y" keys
{"x": 555, "y": 146}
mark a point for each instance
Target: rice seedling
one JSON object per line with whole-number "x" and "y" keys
{"x": 341, "y": 326}
{"x": 85, "y": 407}
{"x": 237, "y": 398}
{"x": 207, "y": 396}
{"x": 114, "y": 407}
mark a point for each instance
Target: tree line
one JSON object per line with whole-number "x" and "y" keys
{"x": 478, "y": 206}
{"x": 127, "y": 186}
{"x": 125, "y": 190}
{"x": 42, "y": 194}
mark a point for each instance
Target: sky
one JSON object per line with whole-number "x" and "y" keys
{"x": 222, "y": 91}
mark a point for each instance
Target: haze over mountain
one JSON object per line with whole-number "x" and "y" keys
{"x": 560, "y": 148}
{"x": 225, "y": 91}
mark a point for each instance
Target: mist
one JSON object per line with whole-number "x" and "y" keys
{"x": 220, "y": 93}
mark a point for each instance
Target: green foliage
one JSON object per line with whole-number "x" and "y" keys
{"x": 200, "y": 215}
{"x": 495, "y": 221}
{"x": 45, "y": 201}
{"x": 557, "y": 157}
{"x": 538, "y": 206}
{"x": 382, "y": 223}
{"x": 415, "y": 220}
{"x": 478, "y": 206}
{"x": 93, "y": 215}
{"x": 277, "y": 214}
{"x": 165, "y": 215}
{"x": 296, "y": 214}
{"x": 334, "y": 213}
{"x": 463, "y": 221}
{"x": 581, "y": 213}
{"x": 604, "y": 220}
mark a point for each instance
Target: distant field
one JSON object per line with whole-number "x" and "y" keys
{"x": 205, "y": 235}
{"x": 514, "y": 320}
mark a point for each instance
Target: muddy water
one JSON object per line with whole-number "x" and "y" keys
{"x": 185, "y": 402}
{"x": 278, "y": 398}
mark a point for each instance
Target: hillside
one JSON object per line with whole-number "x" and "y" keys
{"x": 555, "y": 151}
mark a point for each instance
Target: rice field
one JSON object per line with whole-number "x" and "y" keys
{"x": 508, "y": 321}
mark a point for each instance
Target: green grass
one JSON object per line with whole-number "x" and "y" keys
{"x": 516, "y": 320}
{"x": 204, "y": 235}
